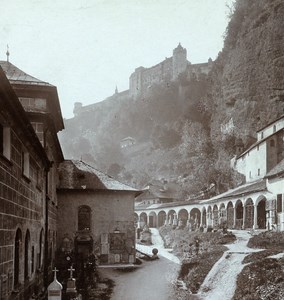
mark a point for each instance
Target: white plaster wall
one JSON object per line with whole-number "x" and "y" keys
{"x": 276, "y": 186}
{"x": 252, "y": 161}
{"x": 269, "y": 129}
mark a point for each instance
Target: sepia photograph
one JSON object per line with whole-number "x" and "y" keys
{"x": 142, "y": 150}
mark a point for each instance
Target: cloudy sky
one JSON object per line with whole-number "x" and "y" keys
{"x": 87, "y": 47}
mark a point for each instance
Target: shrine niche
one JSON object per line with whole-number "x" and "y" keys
{"x": 83, "y": 245}
{"x": 117, "y": 242}
{"x": 66, "y": 244}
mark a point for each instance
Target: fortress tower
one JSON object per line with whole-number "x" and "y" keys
{"x": 179, "y": 61}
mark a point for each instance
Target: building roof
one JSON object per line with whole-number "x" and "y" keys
{"x": 242, "y": 190}
{"x": 259, "y": 142}
{"x": 277, "y": 170}
{"x": 21, "y": 81}
{"x": 75, "y": 174}
{"x": 252, "y": 187}
{"x": 9, "y": 102}
{"x": 270, "y": 123}
{"x": 14, "y": 74}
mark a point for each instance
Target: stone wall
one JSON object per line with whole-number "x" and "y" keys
{"x": 21, "y": 208}
{"x": 111, "y": 211}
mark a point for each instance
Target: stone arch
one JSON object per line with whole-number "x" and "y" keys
{"x": 143, "y": 219}
{"x": 17, "y": 256}
{"x": 27, "y": 255}
{"x": 215, "y": 216}
{"x": 182, "y": 217}
{"x": 194, "y": 218}
{"x": 230, "y": 215}
{"x": 204, "y": 217}
{"x": 152, "y": 219}
{"x": 161, "y": 218}
{"x": 239, "y": 214}
{"x": 171, "y": 216}
{"x": 209, "y": 216}
{"x": 261, "y": 213}
{"x": 84, "y": 217}
{"x": 249, "y": 213}
{"x": 222, "y": 216}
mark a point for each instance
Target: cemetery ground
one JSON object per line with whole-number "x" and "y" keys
{"x": 259, "y": 265}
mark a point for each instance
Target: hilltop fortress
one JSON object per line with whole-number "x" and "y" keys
{"x": 142, "y": 79}
{"x": 167, "y": 70}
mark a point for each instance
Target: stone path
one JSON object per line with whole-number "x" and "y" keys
{"x": 220, "y": 282}
{"x": 158, "y": 244}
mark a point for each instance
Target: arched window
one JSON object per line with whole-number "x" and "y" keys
{"x": 84, "y": 218}
{"x": 274, "y": 128}
{"x": 18, "y": 241}
{"x": 33, "y": 259}
{"x": 27, "y": 248}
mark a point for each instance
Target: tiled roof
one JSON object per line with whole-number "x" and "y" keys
{"x": 256, "y": 186}
{"x": 278, "y": 169}
{"x": 75, "y": 174}
{"x": 15, "y": 75}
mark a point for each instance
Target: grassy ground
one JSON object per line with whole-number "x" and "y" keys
{"x": 197, "y": 258}
{"x": 262, "y": 277}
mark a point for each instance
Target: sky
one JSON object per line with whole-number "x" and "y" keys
{"x": 88, "y": 47}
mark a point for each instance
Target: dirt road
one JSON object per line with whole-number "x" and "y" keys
{"x": 151, "y": 281}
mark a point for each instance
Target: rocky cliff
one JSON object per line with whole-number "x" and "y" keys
{"x": 248, "y": 77}
{"x": 186, "y": 131}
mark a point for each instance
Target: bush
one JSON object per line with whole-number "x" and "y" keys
{"x": 199, "y": 251}
{"x": 267, "y": 240}
{"x": 262, "y": 279}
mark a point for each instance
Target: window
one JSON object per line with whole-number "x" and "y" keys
{"x": 84, "y": 218}
{"x": 279, "y": 203}
{"x": 27, "y": 248}
{"x": 25, "y": 164}
{"x": 5, "y": 141}
{"x": 249, "y": 174}
{"x": 257, "y": 148}
{"x": 258, "y": 172}
{"x": 262, "y": 135}
{"x": 272, "y": 143}
{"x": 33, "y": 259}
{"x": 18, "y": 241}
{"x": 274, "y": 128}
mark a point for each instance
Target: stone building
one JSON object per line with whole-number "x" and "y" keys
{"x": 142, "y": 79}
{"x": 96, "y": 214}
{"x": 165, "y": 71}
{"x": 30, "y": 154}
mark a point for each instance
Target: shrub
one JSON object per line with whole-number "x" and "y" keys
{"x": 267, "y": 239}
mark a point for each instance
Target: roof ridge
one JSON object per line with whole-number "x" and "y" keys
{"x": 104, "y": 174}
{"x": 14, "y": 73}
